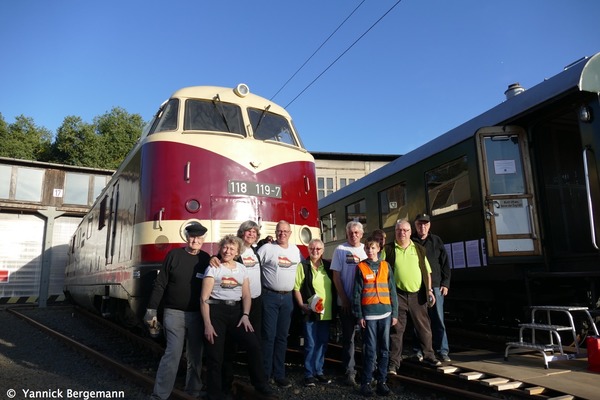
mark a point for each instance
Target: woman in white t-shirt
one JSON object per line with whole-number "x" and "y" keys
{"x": 225, "y": 308}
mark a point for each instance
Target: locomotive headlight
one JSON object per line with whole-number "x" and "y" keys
{"x": 585, "y": 114}
{"x": 305, "y": 235}
{"x": 242, "y": 90}
{"x": 193, "y": 205}
{"x": 304, "y": 212}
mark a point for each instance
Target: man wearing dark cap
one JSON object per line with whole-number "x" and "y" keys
{"x": 440, "y": 281}
{"x": 178, "y": 285}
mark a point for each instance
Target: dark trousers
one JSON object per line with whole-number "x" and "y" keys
{"x": 348, "y": 332}
{"x": 256, "y": 316}
{"x": 414, "y": 304}
{"x": 221, "y": 354}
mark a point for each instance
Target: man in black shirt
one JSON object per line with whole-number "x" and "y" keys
{"x": 178, "y": 285}
{"x": 440, "y": 281}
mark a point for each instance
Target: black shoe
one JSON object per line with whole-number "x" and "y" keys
{"x": 365, "y": 390}
{"x": 383, "y": 389}
{"x": 283, "y": 382}
{"x": 310, "y": 381}
{"x": 323, "y": 379}
{"x": 265, "y": 390}
{"x": 445, "y": 358}
{"x": 432, "y": 362}
{"x": 393, "y": 370}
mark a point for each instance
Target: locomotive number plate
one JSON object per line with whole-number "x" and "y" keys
{"x": 254, "y": 189}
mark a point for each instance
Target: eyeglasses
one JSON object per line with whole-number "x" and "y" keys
{"x": 315, "y": 248}
{"x": 402, "y": 230}
{"x": 283, "y": 231}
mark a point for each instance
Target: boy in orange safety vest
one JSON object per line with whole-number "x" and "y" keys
{"x": 376, "y": 309}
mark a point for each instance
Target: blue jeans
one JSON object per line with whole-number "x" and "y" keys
{"x": 438, "y": 328}
{"x": 376, "y": 342}
{"x": 348, "y": 330}
{"x": 179, "y": 327}
{"x": 316, "y": 337}
{"x": 276, "y": 319}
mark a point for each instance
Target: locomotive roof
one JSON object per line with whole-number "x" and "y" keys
{"x": 228, "y": 95}
{"x": 583, "y": 75}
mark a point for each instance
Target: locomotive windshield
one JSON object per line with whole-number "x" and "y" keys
{"x": 166, "y": 120}
{"x": 270, "y": 126}
{"x": 217, "y": 116}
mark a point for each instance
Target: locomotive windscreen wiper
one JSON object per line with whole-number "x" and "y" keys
{"x": 221, "y": 112}
{"x": 262, "y": 115}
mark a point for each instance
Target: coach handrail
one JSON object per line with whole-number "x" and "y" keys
{"x": 589, "y": 196}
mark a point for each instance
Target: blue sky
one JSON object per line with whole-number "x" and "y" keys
{"x": 426, "y": 67}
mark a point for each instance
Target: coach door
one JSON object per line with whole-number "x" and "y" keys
{"x": 507, "y": 189}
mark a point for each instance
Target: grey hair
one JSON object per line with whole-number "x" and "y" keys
{"x": 353, "y": 224}
{"x": 246, "y": 226}
{"x": 402, "y": 221}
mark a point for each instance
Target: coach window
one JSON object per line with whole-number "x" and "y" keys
{"x": 216, "y": 116}
{"x": 5, "y": 175}
{"x": 269, "y": 126}
{"x": 448, "y": 187}
{"x": 392, "y": 203}
{"x": 357, "y": 212}
{"x": 76, "y": 188}
{"x": 328, "y": 226}
{"x": 29, "y": 184}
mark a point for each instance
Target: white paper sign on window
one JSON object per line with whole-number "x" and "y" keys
{"x": 502, "y": 167}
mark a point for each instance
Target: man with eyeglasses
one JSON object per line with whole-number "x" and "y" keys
{"x": 344, "y": 262}
{"x": 412, "y": 274}
{"x": 279, "y": 260}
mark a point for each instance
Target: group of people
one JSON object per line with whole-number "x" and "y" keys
{"x": 241, "y": 297}
{"x": 244, "y": 297}
{"x": 379, "y": 285}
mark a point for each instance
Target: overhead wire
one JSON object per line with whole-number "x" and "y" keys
{"x": 343, "y": 53}
{"x": 317, "y": 50}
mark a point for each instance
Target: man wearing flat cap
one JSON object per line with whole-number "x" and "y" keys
{"x": 178, "y": 285}
{"x": 440, "y": 281}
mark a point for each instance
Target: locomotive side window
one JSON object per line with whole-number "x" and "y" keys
{"x": 358, "y": 212}
{"x": 328, "y": 226}
{"x": 269, "y": 126}
{"x": 103, "y": 214}
{"x": 167, "y": 118}
{"x": 448, "y": 187}
{"x": 392, "y": 203}
{"x": 216, "y": 116}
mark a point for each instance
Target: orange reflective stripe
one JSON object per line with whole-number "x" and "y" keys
{"x": 375, "y": 290}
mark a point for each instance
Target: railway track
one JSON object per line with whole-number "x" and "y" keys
{"x": 139, "y": 363}
{"x": 128, "y": 371}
